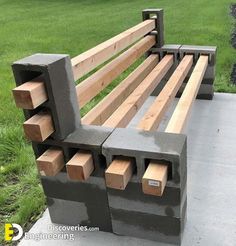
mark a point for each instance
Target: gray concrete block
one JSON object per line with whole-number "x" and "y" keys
{"x": 56, "y": 71}
{"x": 148, "y": 226}
{"x": 133, "y": 199}
{"x": 148, "y": 145}
{"x": 92, "y": 190}
{"x": 199, "y": 50}
{"x": 147, "y": 14}
{"x": 78, "y": 213}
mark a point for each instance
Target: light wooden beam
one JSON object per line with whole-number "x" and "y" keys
{"x": 30, "y": 95}
{"x": 39, "y": 127}
{"x": 101, "y": 112}
{"x": 157, "y": 173}
{"x": 122, "y": 116}
{"x": 155, "y": 113}
{"x": 119, "y": 173}
{"x": 80, "y": 166}
{"x": 90, "y": 59}
{"x": 50, "y": 162}
{"x": 155, "y": 178}
{"x": 95, "y": 83}
{"x": 183, "y": 108}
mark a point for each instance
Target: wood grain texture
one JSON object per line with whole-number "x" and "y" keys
{"x": 178, "y": 119}
{"x": 104, "y": 109}
{"x": 155, "y": 178}
{"x": 175, "y": 125}
{"x": 119, "y": 173}
{"x": 30, "y": 95}
{"x": 155, "y": 113}
{"x": 85, "y": 62}
{"x": 122, "y": 116}
{"x": 80, "y": 166}
{"x": 95, "y": 83}
{"x": 39, "y": 127}
{"x": 50, "y": 162}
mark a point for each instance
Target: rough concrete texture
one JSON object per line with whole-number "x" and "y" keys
{"x": 133, "y": 199}
{"x": 56, "y": 71}
{"x": 75, "y": 202}
{"x": 211, "y": 177}
{"x": 148, "y": 226}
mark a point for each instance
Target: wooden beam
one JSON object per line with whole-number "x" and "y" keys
{"x": 80, "y": 166}
{"x": 30, "y": 95}
{"x": 155, "y": 178}
{"x": 155, "y": 113}
{"x": 101, "y": 112}
{"x": 183, "y": 108}
{"x": 50, "y": 162}
{"x": 39, "y": 127}
{"x": 95, "y": 83}
{"x": 90, "y": 59}
{"x": 175, "y": 125}
{"x": 122, "y": 116}
{"x": 119, "y": 173}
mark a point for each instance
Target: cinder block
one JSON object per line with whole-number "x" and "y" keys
{"x": 144, "y": 146}
{"x": 147, "y": 14}
{"x": 74, "y": 202}
{"x": 78, "y": 213}
{"x": 133, "y": 199}
{"x": 57, "y": 75}
{"x": 149, "y": 226}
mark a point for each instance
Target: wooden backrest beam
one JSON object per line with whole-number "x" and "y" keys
{"x": 95, "y": 83}
{"x": 104, "y": 109}
{"x": 85, "y": 62}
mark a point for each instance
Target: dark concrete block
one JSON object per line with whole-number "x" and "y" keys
{"x": 133, "y": 199}
{"x": 56, "y": 71}
{"x": 92, "y": 190}
{"x": 78, "y": 213}
{"x": 149, "y": 226}
{"x": 147, "y": 145}
{"x": 147, "y": 14}
{"x": 199, "y": 50}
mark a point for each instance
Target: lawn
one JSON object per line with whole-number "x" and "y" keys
{"x": 71, "y": 27}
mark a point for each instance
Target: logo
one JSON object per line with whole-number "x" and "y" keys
{"x": 10, "y": 233}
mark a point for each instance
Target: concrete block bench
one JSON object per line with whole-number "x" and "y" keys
{"x": 94, "y": 171}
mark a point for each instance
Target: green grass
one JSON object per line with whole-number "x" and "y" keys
{"x": 71, "y": 27}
